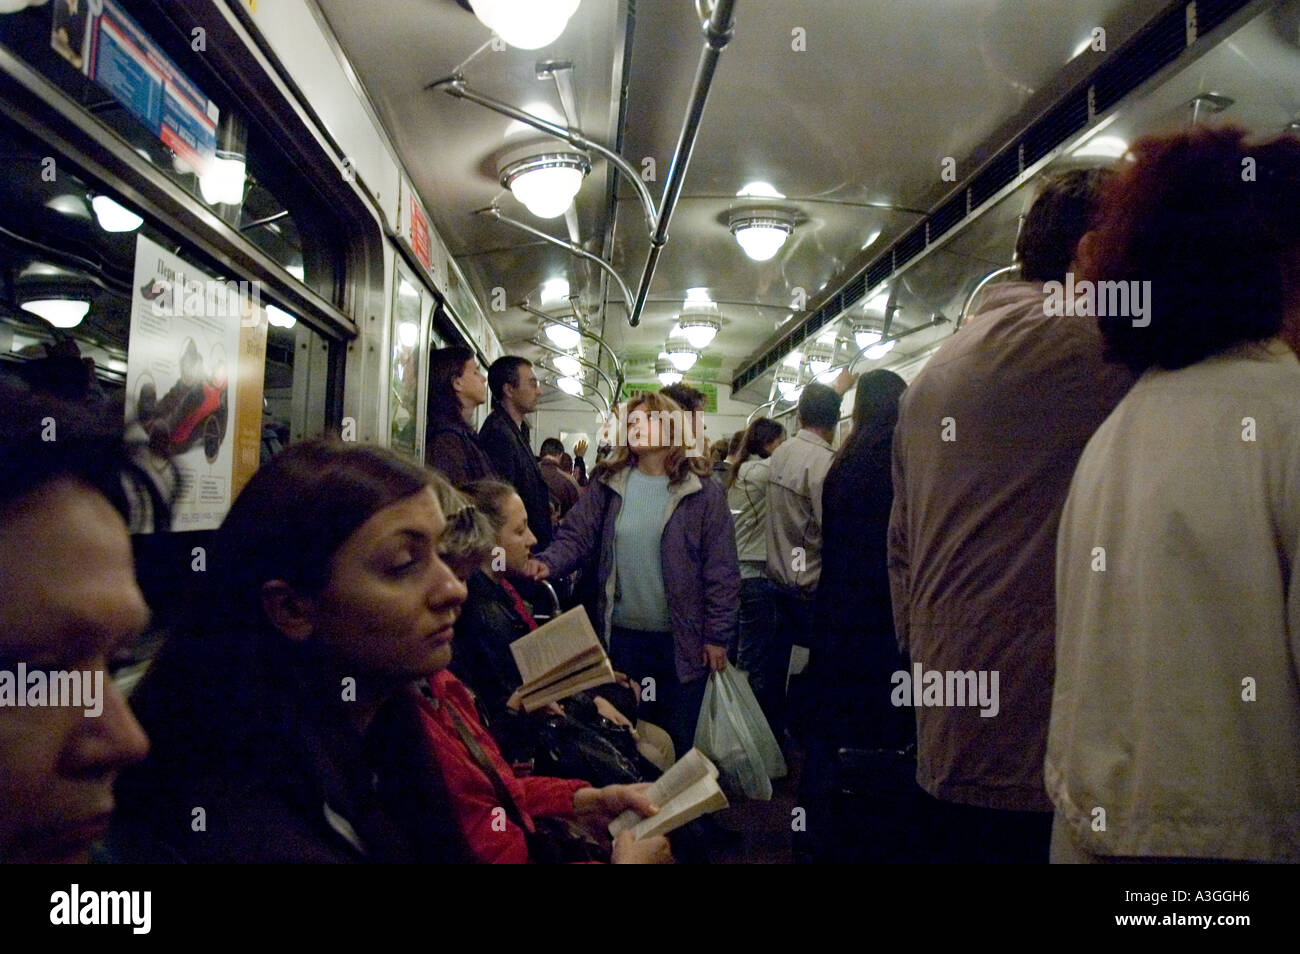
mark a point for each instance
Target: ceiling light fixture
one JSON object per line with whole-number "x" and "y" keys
{"x": 1102, "y": 147}
{"x": 820, "y": 357}
{"x": 60, "y": 312}
{"x": 761, "y": 232}
{"x": 787, "y": 384}
{"x": 567, "y": 365}
{"x": 569, "y": 385}
{"x": 760, "y": 189}
{"x": 879, "y": 350}
{"x": 865, "y": 334}
{"x": 525, "y": 24}
{"x": 277, "y": 316}
{"x": 699, "y": 330}
{"x": 682, "y": 355}
{"x": 667, "y": 373}
{"x": 563, "y": 334}
{"x": 113, "y": 216}
{"x": 555, "y": 289}
{"x": 546, "y": 183}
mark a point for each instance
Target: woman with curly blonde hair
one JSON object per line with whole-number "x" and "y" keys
{"x": 659, "y": 538}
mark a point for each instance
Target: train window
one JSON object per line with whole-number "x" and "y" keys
{"x": 249, "y": 184}
{"x": 404, "y": 382}
{"x": 100, "y": 303}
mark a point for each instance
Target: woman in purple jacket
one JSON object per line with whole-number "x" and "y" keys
{"x": 662, "y": 545}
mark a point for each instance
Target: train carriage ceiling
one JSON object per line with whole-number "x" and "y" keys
{"x": 848, "y": 109}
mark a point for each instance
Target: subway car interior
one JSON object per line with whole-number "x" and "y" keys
{"x": 251, "y": 234}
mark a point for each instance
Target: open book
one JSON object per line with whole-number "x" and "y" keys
{"x": 560, "y": 658}
{"x": 685, "y": 792}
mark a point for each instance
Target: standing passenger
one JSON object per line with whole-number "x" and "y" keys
{"x": 853, "y": 612}
{"x": 661, "y": 540}
{"x": 988, "y": 436}
{"x": 562, "y": 488}
{"x": 851, "y": 678}
{"x": 456, "y": 388}
{"x": 1177, "y": 701}
{"x": 794, "y": 543}
{"x": 504, "y": 437}
{"x": 747, "y": 498}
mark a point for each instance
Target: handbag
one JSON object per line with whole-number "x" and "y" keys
{"x": 550, "y": 840}
{"x": 567, "y": 748}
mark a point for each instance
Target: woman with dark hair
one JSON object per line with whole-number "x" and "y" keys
{"x": 852, "y": 609}
{"x": 850, "y": 675}
{"x": 746, "y": 488}
{"x": 456, "y": 388}
{"x": 661, "y": 539}
{"x": 287, "y": 719}
{"x": 1175, "y": 581}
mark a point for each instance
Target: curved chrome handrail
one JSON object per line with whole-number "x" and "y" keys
{"x": 961, "y": 315}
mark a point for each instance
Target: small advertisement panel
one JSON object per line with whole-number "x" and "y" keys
{"x": 99, "y": 38}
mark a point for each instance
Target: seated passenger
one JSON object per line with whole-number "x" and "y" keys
{"x": 288, "y": 719}
{"x": 494, "y": 616}
{"x": 71, "y": 604}
{"x": 1175, "y": 728}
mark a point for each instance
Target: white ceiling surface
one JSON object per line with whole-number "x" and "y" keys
{"x": 866, "y": 114}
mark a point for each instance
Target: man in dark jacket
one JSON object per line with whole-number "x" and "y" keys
{"x": 456, "y": 388}
{"x": 504, "y": 437}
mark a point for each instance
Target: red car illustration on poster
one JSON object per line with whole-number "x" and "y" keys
{"x": 195, "y": 409}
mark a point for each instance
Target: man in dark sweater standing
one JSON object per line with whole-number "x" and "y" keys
{"x": 504, "y": 437}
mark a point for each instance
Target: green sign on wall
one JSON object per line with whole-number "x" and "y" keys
{"x": 707, "y": 388}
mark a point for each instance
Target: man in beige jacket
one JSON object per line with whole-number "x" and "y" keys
{"x": 988, "y": 436}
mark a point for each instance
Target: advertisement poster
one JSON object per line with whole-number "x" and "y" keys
{"x": 99, "y": 38}
{"x": 185, "y": 352}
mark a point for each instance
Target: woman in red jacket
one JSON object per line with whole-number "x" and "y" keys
{"x": 494, "y": 821}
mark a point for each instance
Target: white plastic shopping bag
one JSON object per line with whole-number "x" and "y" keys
{"x": 734, "y": 734}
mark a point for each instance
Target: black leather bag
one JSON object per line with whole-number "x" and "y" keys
{"x": 567, "y": 748}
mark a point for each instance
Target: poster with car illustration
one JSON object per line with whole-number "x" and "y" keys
{"x": 185, "y": 334}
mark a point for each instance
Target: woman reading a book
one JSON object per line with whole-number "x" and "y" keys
{"x": 494, "y": 616}
{"x": 287, "y": 718}
{"x": 664, "y": 550}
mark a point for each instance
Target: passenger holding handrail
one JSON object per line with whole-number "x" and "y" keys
{"x": 662, "y": 543}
